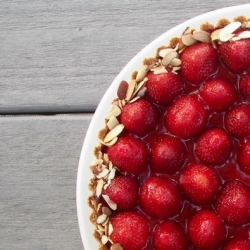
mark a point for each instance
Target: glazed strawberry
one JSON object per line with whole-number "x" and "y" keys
{"x": 244, "y": 156}
{"x": 164, "y": 88}
{"x": 160, "y": 197}
{"x": 131, "y": 230}
{"x": 233, "y": 203}
{"x": 244, "y": 86}
{"x": 139, "y": 117}
{"x": 169, "y": 235}
{"x": 237, "y": 244}
{"x": 206, "y": 230}
{"x": 129, "y": 154}
{"x": 213, "y": 146}
{"x": 167, "y": 155}
{"x": 237, "y": 120}
{"x": 218, "y": 94}
{"x": 199, "y": 62}
{"x": 186, "y": 117}
{"x": 236, "y": 55}
{"x": 200, "y": 183}
{"x": 123, "y": 190}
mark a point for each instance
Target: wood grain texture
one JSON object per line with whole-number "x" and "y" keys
{"x": 39, "y": 159}
{"x": 60, "y": 56}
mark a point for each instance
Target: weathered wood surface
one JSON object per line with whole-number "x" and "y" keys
{"x": 39, "y": 157}
{"x": 60, "y": 56}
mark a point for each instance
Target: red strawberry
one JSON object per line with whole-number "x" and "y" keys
{"x": 200, "y": 183}
{"x": 186, "y": 117}
{"x": 131, "y": 230}
{"x": 139, "y": 117}
{"x": 213, "y": 146}
{"x": 237, "y": 244}
{"x": 129, "y": 154}
{"x": 236, "y": 55}
{"x": 218, "y": 94}
{"x": 233, "y": 203}
{"x": 237, "y": 120}
{"x": 169, "y": 235}
{"x": 160, "y": 197}
{"x": 244, "y": 157}
{"x": 164, "y": 88}
{"x": 206, "y": 230}
{"x": 199, "y": 62}
{"x": 167, "y": 155}
{"x": 244, "y": 86}
{"x": 123, "y": 190}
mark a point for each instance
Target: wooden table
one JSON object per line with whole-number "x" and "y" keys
{"x": 57, "y": 60}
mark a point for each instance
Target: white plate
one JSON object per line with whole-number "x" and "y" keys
{"x": 97, "y": 123}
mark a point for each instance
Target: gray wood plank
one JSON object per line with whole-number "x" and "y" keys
{"x": 60, "y": 56}
{"x": 38, "y": 168}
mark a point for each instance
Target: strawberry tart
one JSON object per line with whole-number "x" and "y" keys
{"x": 172, "y": 170}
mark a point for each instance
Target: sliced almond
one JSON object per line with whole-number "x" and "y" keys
{"x": 99, "y": 187}
{"x": 176, "y": 69}
{"x": 113, "y": 133}
{"x": 140, "y": 86}
{"x": 141, "y": 74}
{"x": 202, "y": 36}
{"x": 105, "y": 158}
{"x": 94, "y": 202}
{"x": 248, "y": 25}
{"x": 97, "y": 162}
{"x": 111, "y": 229}
{"x": 116, "y": 247}
{"x": 188, "y": 40}
{"x": 164, "y": 52}
{"x": 134, "y": 99}
{"x": 105, "y": 239}
{"x": 115, "y": 111}
{"x": 112, "y": 174}
{"x": 101, "y": 228}
{"x": 244, "y": 34}
{"x": 106, "y": 210}
{"x": 169, "y": 57}
{"x": 175, "y": 62}
{"x": 227, "y": 32}
{"x": 101, "y": 218}
{"x": 216, "y": 35}
{"x": 112, "y": 123}
{"x": 131, "y": 89}
{"x": 110, "y": 203}
{"x": 142, "y": 92}
{"x": 103, "y": 174}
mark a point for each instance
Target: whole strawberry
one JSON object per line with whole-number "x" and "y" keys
{"x": 130, "y": 230}
{"x": 244, "y": 156}
{"x": 129, "y": 154}
{"x": 244, "y": 86}
{"x": 186, "y": 117}
{"x": 160, "y": 197}
{"x": 199, "y": 62}
{"x": 164, "y": 88}
{"x": 123, "y": 190}
{"x": 169, "y": 235}
{"x": 213, "y": 146}
{"x": 139, "y": 117}
{"x": 237, "y": 244}
{"x": 167, "y": 154}
{"x": 237, "y": 121}
{"x": 236, "y": 55}
{"x": 218, "y": 94}
{"x": 233, "y": 203}
{"x": 200, "y": 183}
{"x": 206, "y": 230}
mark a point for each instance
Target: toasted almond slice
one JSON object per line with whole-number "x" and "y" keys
{"x": 134, "y": 99}
{"x": 188, "y": 40}
{"x": 164, "y": 52}
{"x": 105, "y": 158}
{"x": 175, "y": 62}
{"x": 142, "y": 92}
{"x": 99, "y": 187}
{"x": 110, "y": 165}
{"x": 227, "y": 32}
{"x": 105, "y": 222}
{"x": 116, "y": 247}
{"x": 160, "y": 71}
{"x": 101, "y": 228}
{"x": 101, "y": 218}
{"x": 176, "y": 69}
{"x": 107, "y": 184}
{"x": 105, "y": 239}
{"x": 106, "y": 210}
{"x": 131, "y": 88}
{"x": 141, "y": 74}
{"x": 113, "y": 133}
{"x": 216, "y": 35}
{"x": 169, "y": 57}
{"x": 104, "y": 173}
{"x": 110, "y": 203}
{"x": 244, "y": 34}
{"x": 202, "y": 36}
{"x": 188, "y": 30}
{"x": 115, "y": 111}
{"x": 112, "y": 174}
{"x": 248, "y": 25}
{"x": 140, "y": 86}
{"x": 111, "y": 229}
{"x": 112, "y": 123}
